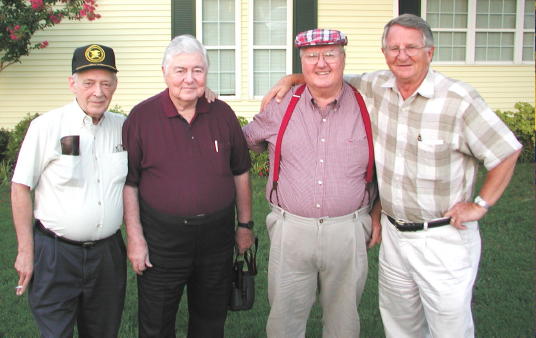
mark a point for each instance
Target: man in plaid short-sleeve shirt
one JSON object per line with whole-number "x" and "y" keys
{"x": 430, "y": 133}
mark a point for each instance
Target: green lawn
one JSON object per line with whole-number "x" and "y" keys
{"x": 503, "y": 303}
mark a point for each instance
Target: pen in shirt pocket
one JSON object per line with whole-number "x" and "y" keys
{"x": 216, "y": 146}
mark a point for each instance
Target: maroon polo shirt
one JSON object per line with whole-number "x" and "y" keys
{"x": 180, "y": 168}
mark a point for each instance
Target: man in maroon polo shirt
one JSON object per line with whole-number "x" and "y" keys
{"x": 188, "y": 168}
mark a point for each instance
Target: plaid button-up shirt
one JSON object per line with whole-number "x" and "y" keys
{"x": 428, "y": 147}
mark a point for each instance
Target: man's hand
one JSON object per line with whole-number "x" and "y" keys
{"x": 376, "y": 237}
{"x": 210, "y": 95}
{"x": 465, "y": 212}
{"x": 24, "y": 267}
{"x": 281, "y": 88}
{"x": 138, "y": 254}
{"x": 244, "y": 239}
{"x": 375, "y": 216}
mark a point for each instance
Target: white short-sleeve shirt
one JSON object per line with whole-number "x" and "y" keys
{"x": 77, "y": 196}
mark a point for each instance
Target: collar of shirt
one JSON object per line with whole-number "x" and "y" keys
{"x": 202, "y": 105}
{"x": 79, "y": 116}
{"x": 333, "y": 105}
{"x": 426, "y": 88}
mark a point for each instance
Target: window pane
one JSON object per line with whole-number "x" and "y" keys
{"x": 218, "y": 25}
{"x": 210, "y": 34}
{"x": 446, "y": 21}
{"x": 227, "y": 60}
{"x": 269, "y": 66}
{"x": 270, "y": 22}
{"x": 528, "y": 46}
{"x": 460, "y": 21}
{"x": 494, "y": 47}
{"x": 529, "y": 15}
{"x": 433, "y": 20}
{"x": 449, "y": 46}
{"x": 210, "y": 10}
{"x": 432, "y": 6}
{"x": 496, "y": 13}
{"x": 227, "y": 10}
{"x": 213, "y": 61}
{"x": 227, "y": 34}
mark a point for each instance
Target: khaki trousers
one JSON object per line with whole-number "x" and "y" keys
{"x": 306, "y": 254}
{"x": 426, "y": 280}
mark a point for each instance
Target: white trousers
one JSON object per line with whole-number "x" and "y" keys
{"x": 308, "y": 252}
{"x": 426, "y": 280}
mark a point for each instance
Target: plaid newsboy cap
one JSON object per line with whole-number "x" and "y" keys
{"x": 320, "y": 37}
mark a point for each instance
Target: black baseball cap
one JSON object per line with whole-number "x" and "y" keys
{"x": 93, "y": 56}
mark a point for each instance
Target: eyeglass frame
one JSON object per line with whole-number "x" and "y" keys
{"x": 414, "y": 50}
{"x": 336, "y": 54}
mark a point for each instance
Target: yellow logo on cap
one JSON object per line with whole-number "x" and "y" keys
{"x": 94, "y": 54}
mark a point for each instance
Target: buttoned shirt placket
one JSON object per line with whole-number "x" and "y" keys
{"x": 95, "y": 144}
{"x": 321, "y": 151}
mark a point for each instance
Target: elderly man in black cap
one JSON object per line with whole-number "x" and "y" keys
{"x": 72, "y": 258}
{"x": 321, "y": 190}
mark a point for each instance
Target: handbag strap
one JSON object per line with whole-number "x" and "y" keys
{"x": 250, "y": 257}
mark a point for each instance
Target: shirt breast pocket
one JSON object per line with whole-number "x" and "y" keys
{"x": 68, "y": 170}
{"x": 433, "y": 160}
{"x": 117, "y": 166}
{"x": 356, "y": 156}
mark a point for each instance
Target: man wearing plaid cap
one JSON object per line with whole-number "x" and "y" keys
{"x": 72, "y": 259}
{"x": 430, "y": 133}
{"x": 320, "y": 189}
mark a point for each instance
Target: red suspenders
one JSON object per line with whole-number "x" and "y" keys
{"x": 284, "y": 123}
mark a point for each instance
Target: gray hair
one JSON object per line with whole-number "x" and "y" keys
{"x": 186, "y": 44}
{"x": 410, "y": 21}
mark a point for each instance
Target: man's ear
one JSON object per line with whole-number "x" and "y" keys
{"x": 72, "y": 84}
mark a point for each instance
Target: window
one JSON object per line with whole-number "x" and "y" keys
{"x": 249, "y": 43}
{"x": 271, "y": 43}
{"x": 482, "y": 31}
{"x": 218, "y": 34}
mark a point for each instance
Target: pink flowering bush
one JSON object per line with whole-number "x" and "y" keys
{"x": 20, "y": 19}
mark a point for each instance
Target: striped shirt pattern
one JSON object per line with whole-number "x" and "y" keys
{"x": 429, "y": 146}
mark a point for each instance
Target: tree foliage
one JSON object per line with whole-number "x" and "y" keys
{"x": 20, "y": 19}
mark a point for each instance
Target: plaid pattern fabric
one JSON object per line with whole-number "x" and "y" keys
{"x": 428, "y": 147}
{"x": 319, "y": 37}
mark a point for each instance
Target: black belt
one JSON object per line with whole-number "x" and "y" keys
{"x": 406, "y": 226}
{"x": 85, "y": 244}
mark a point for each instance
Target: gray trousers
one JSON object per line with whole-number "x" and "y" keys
{"x": 310, "y": 254}
{"x": 75, "y": 284}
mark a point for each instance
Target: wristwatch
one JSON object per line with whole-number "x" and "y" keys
{"x": 249, "y": 225}
{"x": 481, "y": 202}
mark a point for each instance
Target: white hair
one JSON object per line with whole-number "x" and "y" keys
{"x": 186, "y": 44}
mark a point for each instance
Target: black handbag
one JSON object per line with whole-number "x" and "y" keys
{"x": 243, "y": 280}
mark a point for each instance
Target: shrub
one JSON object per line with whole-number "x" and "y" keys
{"x": 4, "y": 140}
{"x": 117, "y": 109}
{"x": 5, "y": 173}
{"x": 15, "y": 141}
{"x": 521, "y": 123}
{"x": 260, "y": 164}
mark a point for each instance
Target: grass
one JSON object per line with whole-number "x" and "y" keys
{"x": 503, "y": 303}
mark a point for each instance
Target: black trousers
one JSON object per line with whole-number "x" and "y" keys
{"x": 196, "y": 253}
{"x": 75, "y": 284}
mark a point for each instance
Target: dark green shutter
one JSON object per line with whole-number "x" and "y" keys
{"x": 409, "y": 7}
{"x": 305, "y": 18}
{"x": 182, "y": 17}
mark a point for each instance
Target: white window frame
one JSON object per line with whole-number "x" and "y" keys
{"x": 237, "y": 49}
{"x": 471, "y": 31}
{"x": 287, "y": 47}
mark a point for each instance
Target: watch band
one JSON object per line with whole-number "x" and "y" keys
{"x": 481, "y": 202}
{"x": 248, "y": 225}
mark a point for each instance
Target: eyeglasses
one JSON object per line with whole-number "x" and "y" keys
{"x": 331, "y": 56}
{"x": 410, "y": 51}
